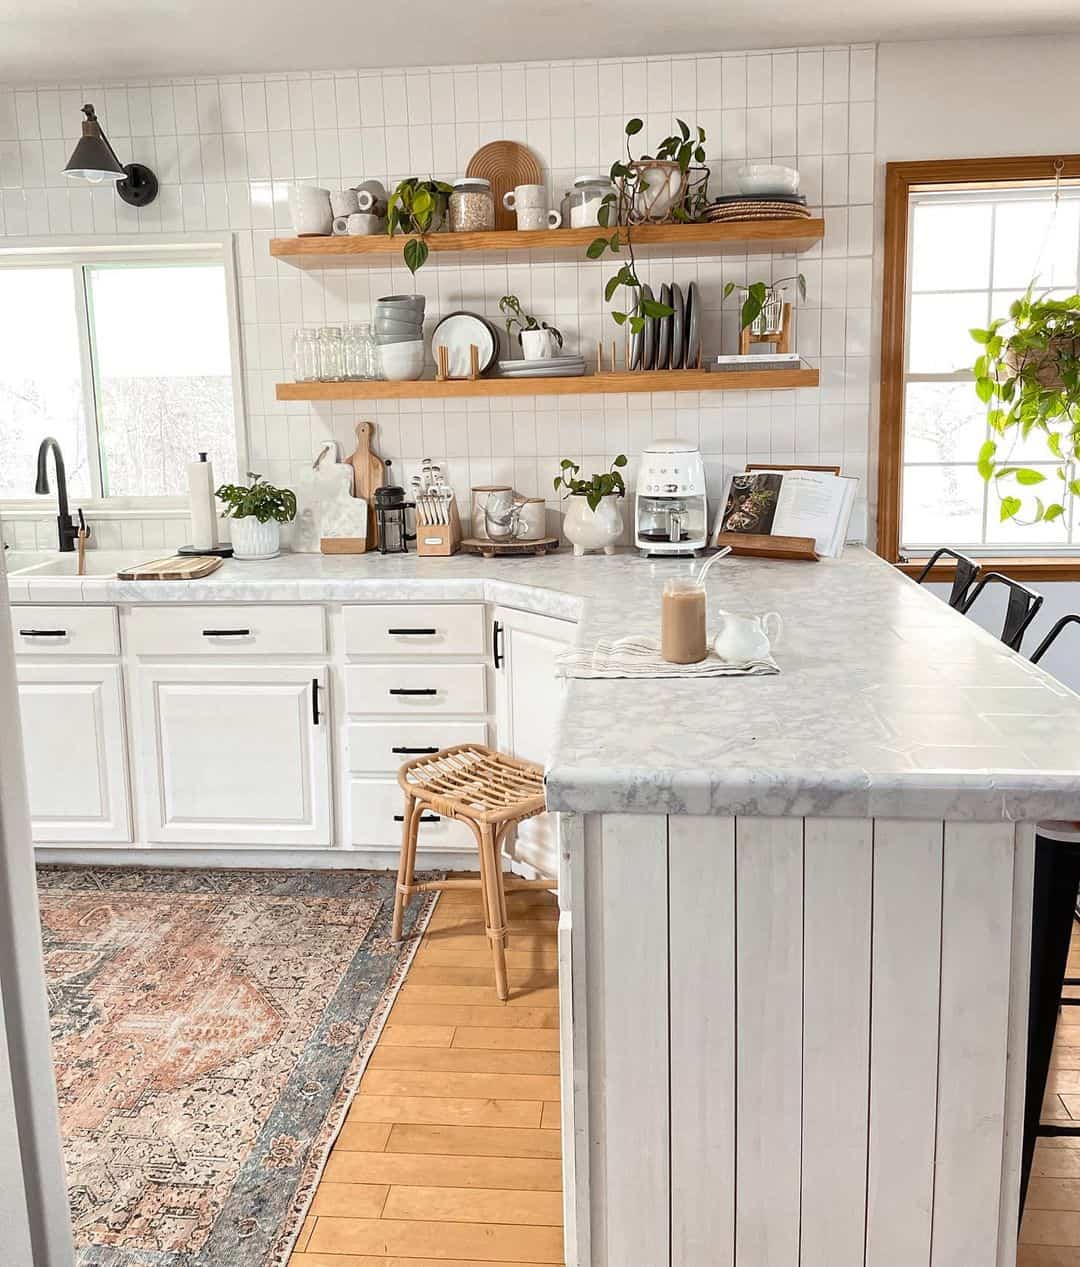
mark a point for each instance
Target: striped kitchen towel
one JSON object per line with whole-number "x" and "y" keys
{"x": 636, "y": 657}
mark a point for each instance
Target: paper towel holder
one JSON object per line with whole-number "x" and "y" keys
{"x": 220, "y": 551}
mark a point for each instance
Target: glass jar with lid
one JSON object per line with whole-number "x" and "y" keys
{"x": 331, "y": 358}
{"x": 356, "y": 349}
{"x": 305, "y": 355}
{"x": 472, "y": 206}
{"x": 586, "y": 199}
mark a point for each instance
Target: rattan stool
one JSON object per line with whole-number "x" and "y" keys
{"x": 492, "y": 793}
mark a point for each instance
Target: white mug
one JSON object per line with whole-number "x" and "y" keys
{"x": 537, "y": 218}
{"x": 344, "y": 202}
{"x": 525, "y": 196}
{"x": 743, "y": 639}
{"x": 537, "y": 345}
{"x": 309, "y": 207}
{"x": 364, "y": 224}
{"x": 340, "y": 226}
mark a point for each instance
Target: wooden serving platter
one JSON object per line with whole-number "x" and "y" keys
{"x": 174, "y": 567}
{"x": 496, "y": 549}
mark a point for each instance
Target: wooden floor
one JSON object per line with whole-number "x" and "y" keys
{"x": 451, "y": 1151}
{"x": 1050, "y": 1232}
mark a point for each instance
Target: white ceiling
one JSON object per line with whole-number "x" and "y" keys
{"x": 95, "y": 41}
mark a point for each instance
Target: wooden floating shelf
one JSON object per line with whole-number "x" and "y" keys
{"x": 745, "y": 238}
{"x": 621, "y": 381}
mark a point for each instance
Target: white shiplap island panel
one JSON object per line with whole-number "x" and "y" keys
{"x": 803, "y": 1040}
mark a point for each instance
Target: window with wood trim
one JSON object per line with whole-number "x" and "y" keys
{"x": 962, "y": 240}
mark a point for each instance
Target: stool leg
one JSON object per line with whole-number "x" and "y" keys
{"x": 409, "y": 828}
{"x": 496, "y": 908}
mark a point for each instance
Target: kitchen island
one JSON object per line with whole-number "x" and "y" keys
{"x": 796, "y": 909}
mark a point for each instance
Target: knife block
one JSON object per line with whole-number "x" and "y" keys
{"x": 439, "y": 540}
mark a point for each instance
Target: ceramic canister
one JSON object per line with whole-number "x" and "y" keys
{"x": 532, "y": 519}
{"x": 480, "y": 495}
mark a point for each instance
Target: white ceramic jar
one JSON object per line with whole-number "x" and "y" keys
{"x": 588, "y": 529}
{"x": 253, "y": 540}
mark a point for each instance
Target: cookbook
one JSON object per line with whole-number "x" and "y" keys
{"x": 791, "y": 503}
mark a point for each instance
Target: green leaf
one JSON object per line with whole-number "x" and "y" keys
{"x": 980, "y": 336}
{"x": 651, "y": 308}
{"x": 620, "y": 318}
{"x": 596, "y": 248}
{"x": 611, "y": 288}
{"x": 415, "y": 252}
{"x": 1054, "y": 511}
{"x": 986, "y": 459}
{"x": 1009, "y": 507}
{"x": 984, "y": 389}
{"x": 1074, "y": 487}
{"x": 699, "y": 154}
{"x": 1025, "y": 475}
{"x": 636, "y": 324}
{"x": 633, "y": 127}
{"x": 683, "y": 129}
{"x": 620, "y": 461}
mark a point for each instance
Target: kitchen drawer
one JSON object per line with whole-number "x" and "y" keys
{"x": 215, "y": 629}
{"x": 65, "y": 631}
{"x": 415, "y": 688}
{"x": 375, "y": 747}
{"x": 377, "y": 810}
{"x": 414, "y": 629}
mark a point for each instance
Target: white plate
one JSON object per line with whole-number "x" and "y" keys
{"x": 456, "y": 333}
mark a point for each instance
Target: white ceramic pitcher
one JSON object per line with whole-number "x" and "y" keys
{"x": 742, "y": 639}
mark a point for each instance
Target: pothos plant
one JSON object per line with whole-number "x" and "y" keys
{"x": 416, "y": 206}
{"x": 511, "y": 309}
{"x": 596, "y": 487}
{"x": 1028, "y": 377}
{"x": 618, "y": 211}
{"x": 257, "y": 500}
{"x": 756, "y": 294}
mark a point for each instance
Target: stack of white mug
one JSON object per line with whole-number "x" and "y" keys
{"x": 530, "y": 204}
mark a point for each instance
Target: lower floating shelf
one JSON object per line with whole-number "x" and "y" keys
{"x": 621, "y": 381}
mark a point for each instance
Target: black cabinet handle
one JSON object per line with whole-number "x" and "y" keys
{"x": 496, "y": 644}
{"x": 43, "y": 633}
{"x": 412, "y": 632}
{"x": 315, "y": 700}
{"x": 413, "y": 690}
{"x": 403, "y": 752}
{"x": 226, "y": 633}
{"x": 424, "y": 818}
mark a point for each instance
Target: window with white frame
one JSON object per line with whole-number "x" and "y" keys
{"x": 971, "y": 253}
{"x": 127, "y": 356}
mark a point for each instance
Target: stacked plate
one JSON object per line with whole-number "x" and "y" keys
{"x": 735, "y": 207}
{"x": 549, "y": 367}
{"x": 669, "y": 343}
{"x": 399, "y": 319}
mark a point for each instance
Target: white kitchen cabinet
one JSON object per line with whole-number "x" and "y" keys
{"x": 234, "y": 754}
{"x": 528, "y": 697}
{"x": 76, "y": 764}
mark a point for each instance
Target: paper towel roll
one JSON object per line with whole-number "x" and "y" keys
{"x": 203, "y": 505}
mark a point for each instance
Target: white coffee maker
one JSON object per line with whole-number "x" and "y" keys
{"x": 670, "y": 516}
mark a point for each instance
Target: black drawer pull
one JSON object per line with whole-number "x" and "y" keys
{"x": 404, "y": 752}
{"x": 413, "y": 690}
{"x": 412, "y": 632}
{"x": 42, "y": 633}
{"x": 315, "y": 714}
{"x": 424, "y": 818}
{"x": 226, "y": 633}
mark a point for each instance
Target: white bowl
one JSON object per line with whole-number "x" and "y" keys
{"x": 762, "y": 179}
{"x": 402, "y": 361}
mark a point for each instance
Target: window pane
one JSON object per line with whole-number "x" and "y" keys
{"x": 1031, "y": 241}
{"x": 943, "y": 505}
{"x": 940, "y": 342}
{"x": 950, "y": 247}
{"x": 943, "y": 422}
{"x": 40, "y": 377}
{"x": 161, "y": 352}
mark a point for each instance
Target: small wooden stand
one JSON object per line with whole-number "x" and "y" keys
{"x": 764, "y": 546}
{"x": 343, "y": 545}
{"x": 492, "y": 549}
{"x": 442, "y": 365}
{"x": 439, "y": 540}
{"x": 782, "y": 340}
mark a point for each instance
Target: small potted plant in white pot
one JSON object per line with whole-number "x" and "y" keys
{"x": 257, "y": 511}
{"x": 537, "y": 338}
{"x": 593, "y": 520}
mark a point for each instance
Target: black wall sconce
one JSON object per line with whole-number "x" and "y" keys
{"x": 94, "y": 159}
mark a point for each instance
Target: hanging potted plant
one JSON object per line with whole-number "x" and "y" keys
{"x": 417, "y": 207}
{"x": 593, "y": 521}
{"x": 257, "y": 511}
{"x": 1028, "y": 377}
{"x": 537, "y": 338}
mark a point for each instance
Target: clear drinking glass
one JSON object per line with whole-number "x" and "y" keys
{"x": 331, "y": 358}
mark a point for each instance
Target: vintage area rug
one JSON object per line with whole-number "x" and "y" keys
{"x": 209, "y": 1031}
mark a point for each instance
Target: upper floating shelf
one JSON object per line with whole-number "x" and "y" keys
{"x": 744, "y": 238}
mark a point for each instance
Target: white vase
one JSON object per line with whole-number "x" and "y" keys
{"x": 597, "y": 529}
{"x": 253, "y": 540}
{"x": 536, "y": 345}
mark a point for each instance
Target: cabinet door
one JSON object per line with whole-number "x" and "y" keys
{"x": 527, "y": 700}
{"x": 234, "y": 755}
{"x": 76, "y": 763}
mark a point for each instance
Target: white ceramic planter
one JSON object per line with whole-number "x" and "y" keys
{"x": 253, "y": 540}
{"x": 597, "y": 529}
{"x": 537, "y": 345}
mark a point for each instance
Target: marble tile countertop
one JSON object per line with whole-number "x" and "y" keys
{"x": 888, "y": 703}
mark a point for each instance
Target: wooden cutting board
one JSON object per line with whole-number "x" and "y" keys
{"x": 506, "y": 164}
{"x": 174, "y": 567}
{"x": 368, "y": 475}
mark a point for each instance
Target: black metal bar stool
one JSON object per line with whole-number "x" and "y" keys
{"x": 963, "y": 577}
{"x": 1020, "y": 612}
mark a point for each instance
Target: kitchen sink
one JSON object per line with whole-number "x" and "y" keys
{"x": 51, "y": 563}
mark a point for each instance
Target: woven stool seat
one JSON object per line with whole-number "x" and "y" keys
{"x": 491, "y": 792}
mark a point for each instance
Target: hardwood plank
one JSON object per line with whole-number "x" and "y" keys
{"x": 471, "y": 952}
{"x": 1046, "y": 1256}
{"x": 432, "y": 1111}
{"x": 551, "y": 1117}
{"x": 380, "y": 1260}
{"x": 481, "y": 1037}
{"x": 436, "y": 1170}
{"x": 521, "y": 995}
{"x": 1072, "y": 1106}
{"x": 416, "y": 1035}
{"x": 305, "y": 1235}
{"x": 475, "y": 1205}
{"x": 1067, "y": 1056}
{"x": 1051, "y": 1227}
{"x": 465, "y": 1060}
{"x": 474, "y": 1141}
{"x": 1053, "y": 1194}
{"x": 836, "y": 1041}
{"x": 1056, "y": 1159}
{"x": 465, "y": 1086}
{"x": 370, "y": 1137}
{"x": 439, "y": 1240}
{"x": 350, "y": 1200}
{"x": 483, "y": 1017}
{"x": 426, "y": 973}
{"x": 536, "y": 920}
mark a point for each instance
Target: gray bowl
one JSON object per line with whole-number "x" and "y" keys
{"x": 389, "y": 303}
{"x": 386, "y": 325}
{"x": 413, "y": 336}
